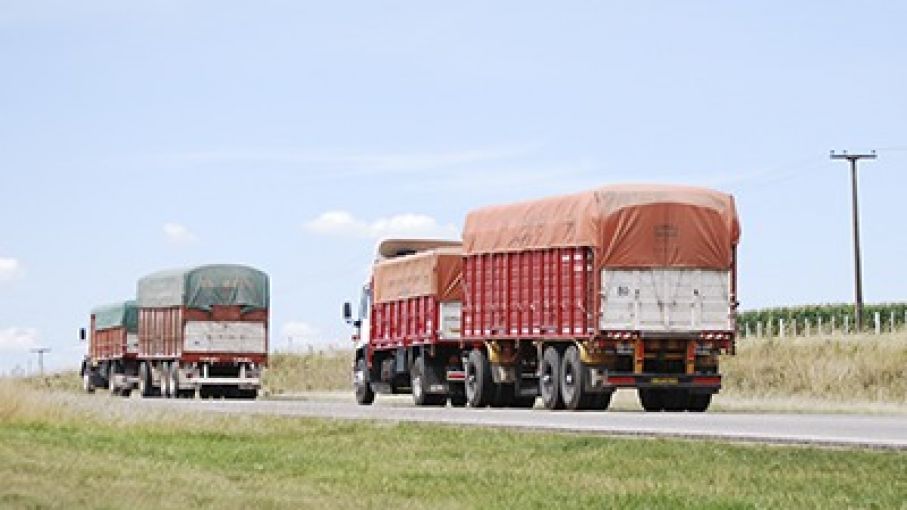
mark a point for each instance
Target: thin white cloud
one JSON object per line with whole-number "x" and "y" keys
{"x": 10, "y": 269}
{"x": 344, "y": 224}
{"x": 179, "y": 234}
{"x": 18, "y": 339}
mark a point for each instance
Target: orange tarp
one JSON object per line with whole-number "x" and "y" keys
{"x": 437, "y": 272}
{"x": 628, "y": 226}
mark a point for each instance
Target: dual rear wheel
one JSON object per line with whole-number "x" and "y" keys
{"x": 563, "y": 382}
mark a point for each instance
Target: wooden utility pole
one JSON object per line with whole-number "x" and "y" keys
{"x": 858, "y": 271}
{"x": 40, "y": 351}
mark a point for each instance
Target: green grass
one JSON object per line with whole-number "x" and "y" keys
{"x": 63, "y": 457}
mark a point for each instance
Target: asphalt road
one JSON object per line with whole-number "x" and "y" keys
{"x": 867, "y": 431}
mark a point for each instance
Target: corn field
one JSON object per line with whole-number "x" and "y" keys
{"x": 828, "y": 318}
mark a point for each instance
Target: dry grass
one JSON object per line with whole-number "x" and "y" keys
{"x": 859, "y": 368}
{"x": 319, "y": 371}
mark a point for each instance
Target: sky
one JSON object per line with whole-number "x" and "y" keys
{"x": 291, "y": 136}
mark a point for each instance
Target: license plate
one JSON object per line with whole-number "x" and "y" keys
{"x": 664, "y": 380}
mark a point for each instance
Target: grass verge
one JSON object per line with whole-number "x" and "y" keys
{"x": 69, "y": 457}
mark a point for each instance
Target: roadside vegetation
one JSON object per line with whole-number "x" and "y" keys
{"x": 58, "y": 452}
{"x": 316, "y": 371}
{"x": 840, "y": 373}
{"x": 852, "y": 368}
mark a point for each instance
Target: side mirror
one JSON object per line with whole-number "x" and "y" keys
{"x": 347, "y": 312}
{"x": 82, "y": 334}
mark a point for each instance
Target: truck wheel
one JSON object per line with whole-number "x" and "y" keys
{"x": 173, "y": 381}
{"x": 549, "y": 379}
{"x": 165, "y": 380}
{"x": 364, "y": 394}
{"x": 651, "y": 400}
{"x": 699, "y": 403}
{"x": 419, "y": 386}
{"x": 111, "y": 379}
{"x": 479, "y": 385}
{"x": 146, "y": 389}
{"x": 87, "y": 383}
{"x": 572, "y": 379}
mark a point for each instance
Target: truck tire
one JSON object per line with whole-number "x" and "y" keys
{"x": 87, "y": 383}
{"x": 699, "y": 403}
{"x": 111, "y": 379}
{"x": 549, "y": 379}
{"x": 172, "y": 381}
{"x": 146, "y": 389}
{"x": 479, "y": 386}
{"x": 572, "y": 380}
{"x": 362, "y": 385}
{"x": 420, "y": 387}
{"x": 651, "y": 400}
{"x": 165, "y": 380}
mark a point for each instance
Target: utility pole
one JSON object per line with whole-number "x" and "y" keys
{"x": 40, "y": 351}
{"x": 858, "y": 272}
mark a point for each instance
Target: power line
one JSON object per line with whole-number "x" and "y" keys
{"x": 858, "y": 272}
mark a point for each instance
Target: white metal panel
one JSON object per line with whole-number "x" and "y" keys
{"x": 670, "y": 300}
{"x": 132, "y": 343}
{"x": 231, "y": 337}
{"x": 450, "y": 319}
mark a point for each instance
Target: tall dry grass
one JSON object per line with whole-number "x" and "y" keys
{"x": 318, "y": 371}
{"x": 864, "y": 368}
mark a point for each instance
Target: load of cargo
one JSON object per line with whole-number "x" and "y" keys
{"x": 567, "y": 298}
{"x": 196, "y": 331}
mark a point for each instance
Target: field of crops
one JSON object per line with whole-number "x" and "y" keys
{"x": 892, "y": 316}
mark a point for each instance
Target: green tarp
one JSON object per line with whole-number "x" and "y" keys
{"x": 204, "y": 286}
{"x": 117, "y": 315}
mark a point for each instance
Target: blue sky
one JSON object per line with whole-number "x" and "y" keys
{"x": 136, "y": 136}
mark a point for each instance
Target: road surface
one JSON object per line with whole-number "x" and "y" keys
{"x": 866, "y": 431}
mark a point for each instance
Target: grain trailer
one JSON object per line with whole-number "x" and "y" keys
{"x": 111, "y": 361}
{"x": 573, "y": 297}
{"x": 203, "y": 330}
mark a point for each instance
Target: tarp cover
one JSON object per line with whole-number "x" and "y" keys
{"x": 437, "y": 272}
{"x": 628, "y": 226}
{"x": 117, "y": 315}
{"x": 205, "y": 286}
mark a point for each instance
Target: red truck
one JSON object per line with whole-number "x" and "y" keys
{"x": 572, "y": 297}
{"x": 111, "y": 361}
{"x": 203, "y": 330}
